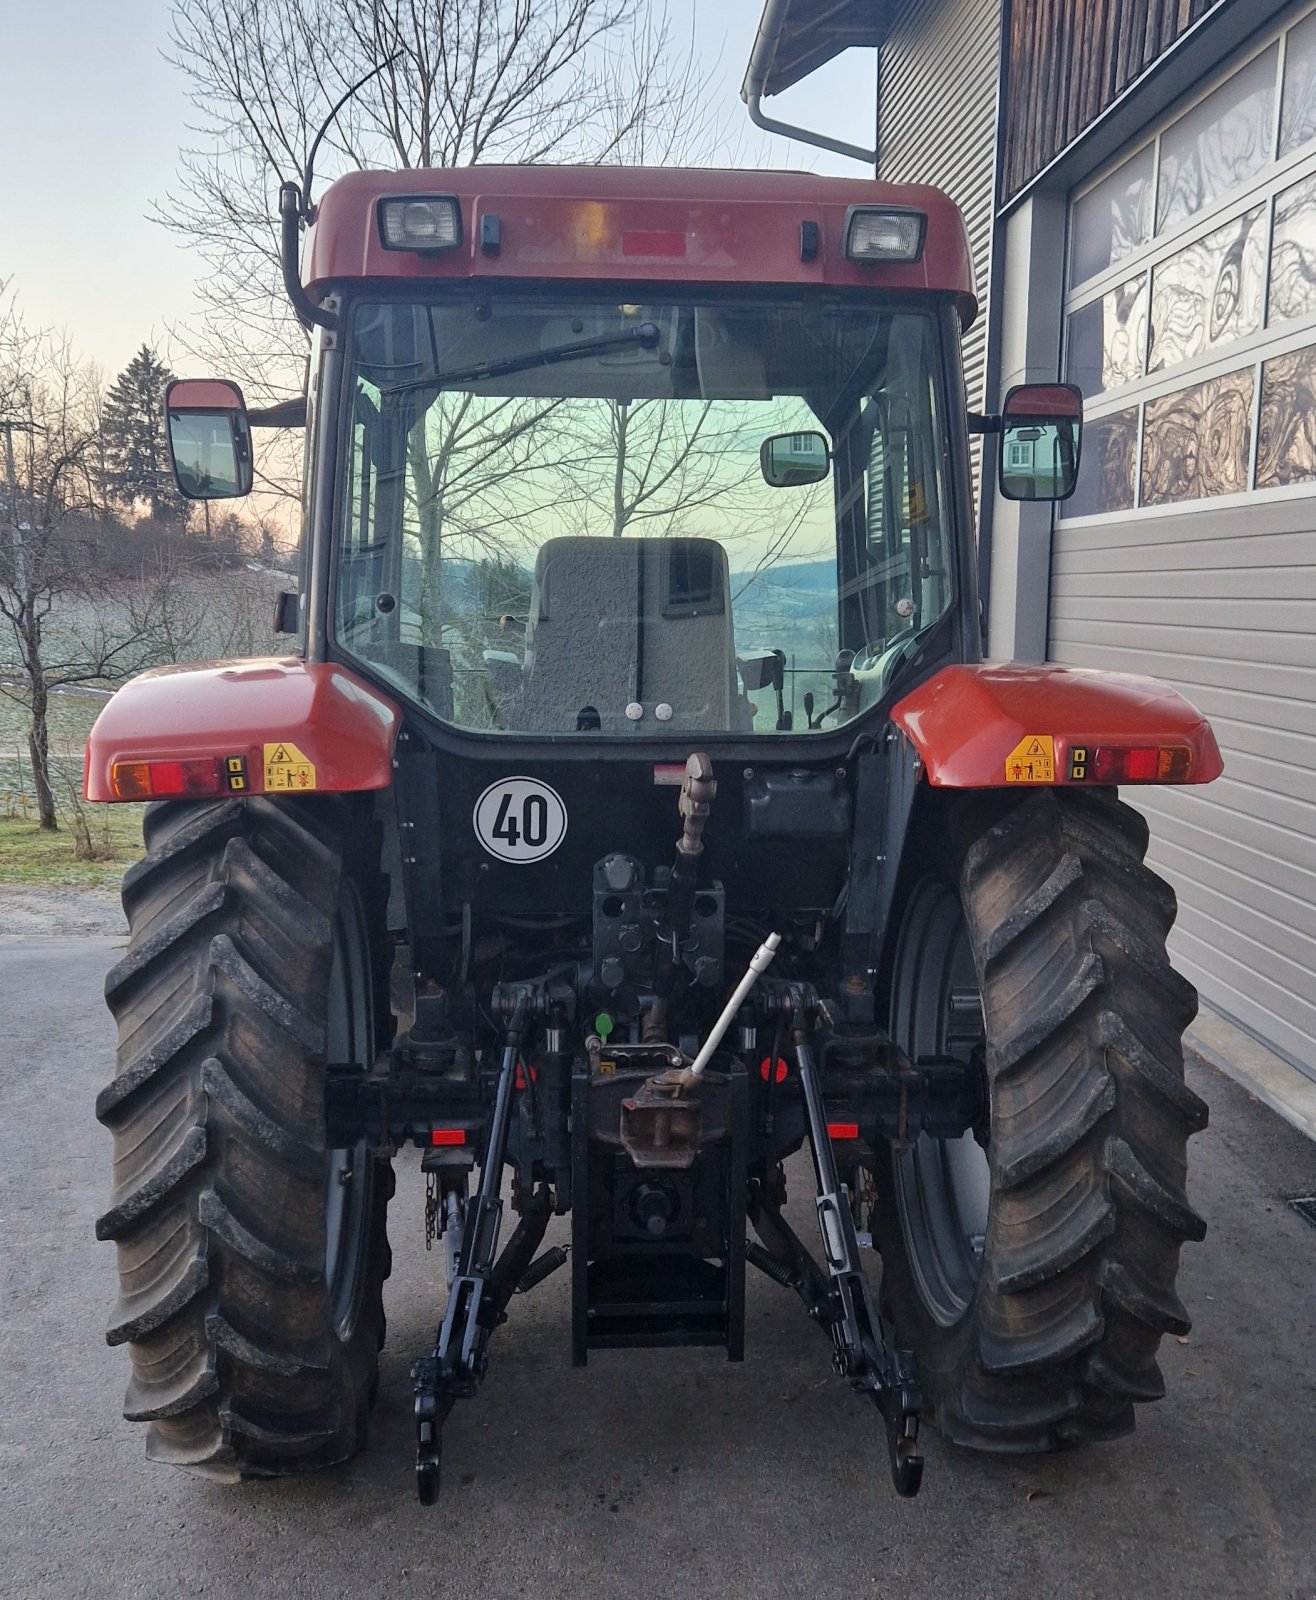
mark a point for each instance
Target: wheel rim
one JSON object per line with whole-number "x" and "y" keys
{"x": 943, "y": 1186}
{"x": 348, "y": 1185}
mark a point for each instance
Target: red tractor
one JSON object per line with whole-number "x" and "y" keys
{"x": 637, "y": 810}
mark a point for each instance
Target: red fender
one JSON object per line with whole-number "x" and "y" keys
{"x": 277, "y": 724}
{"x": 975, "y": 726}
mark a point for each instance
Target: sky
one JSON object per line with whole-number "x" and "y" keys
{"x": 92, "y": 117}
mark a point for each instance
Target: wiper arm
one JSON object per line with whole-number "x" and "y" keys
{"x": 646, "y": 335}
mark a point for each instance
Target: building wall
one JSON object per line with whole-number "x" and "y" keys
{"x": 1070, "y": 60}
{"x": 938, "y": 74}
{"x": 1189, "y": 552}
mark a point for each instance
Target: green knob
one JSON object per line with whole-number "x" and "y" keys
{"x": 603, "y": 1026}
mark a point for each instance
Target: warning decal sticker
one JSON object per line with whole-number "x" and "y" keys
{"x": 1033, "y": 760}
{"x": 286, "y": 768}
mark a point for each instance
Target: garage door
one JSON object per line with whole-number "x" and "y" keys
{"x": 1189, "y": 551}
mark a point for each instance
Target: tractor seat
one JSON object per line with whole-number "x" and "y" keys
{"x": 624, "y": 622}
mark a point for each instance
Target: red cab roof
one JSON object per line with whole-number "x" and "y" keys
{"x": 648, "y": 224}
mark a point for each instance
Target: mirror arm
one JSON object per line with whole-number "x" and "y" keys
{"x": 982, "y": 422}
{"x": 290, "y": 215}
{"x": 286, "y": 414}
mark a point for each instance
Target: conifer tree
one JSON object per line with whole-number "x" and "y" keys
{"x": 136, "y": 452}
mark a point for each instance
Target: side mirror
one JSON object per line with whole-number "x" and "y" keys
{"x": 760, "y": 670}
{"x": 1041, "y": 440}
{"x": 788, "y": 460}
{"x": 209, "y": 438}
{"x": 504, "y": 671}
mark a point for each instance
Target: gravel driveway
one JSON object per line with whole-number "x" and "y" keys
{"x": 60, "y": 911}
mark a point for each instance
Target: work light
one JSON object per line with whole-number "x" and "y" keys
{"x": 420, "y": 222}
{"x": 872, "y": 235}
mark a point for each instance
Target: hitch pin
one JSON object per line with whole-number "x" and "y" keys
{"x": 759, "y": 964}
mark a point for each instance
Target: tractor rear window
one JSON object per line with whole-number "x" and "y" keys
{"x": 641, "y": 519}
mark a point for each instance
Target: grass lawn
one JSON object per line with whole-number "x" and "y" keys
{"x": 27, "y": 855}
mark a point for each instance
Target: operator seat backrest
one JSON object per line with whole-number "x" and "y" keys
{"x": 616, "y": 621}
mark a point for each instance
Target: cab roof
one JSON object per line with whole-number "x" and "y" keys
{"x": 645, "y": 224}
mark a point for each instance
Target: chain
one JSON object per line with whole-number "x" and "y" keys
{"x": 431, "y": 1208}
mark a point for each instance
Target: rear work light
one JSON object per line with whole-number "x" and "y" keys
{"x": 872, "y": 235}
{"x": 157, "y": 780}
{"x": 1147, "y": 763}
{"x": 420, "y": 222}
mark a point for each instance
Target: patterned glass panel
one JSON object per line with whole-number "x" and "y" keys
{"x": 1197, "y": 442}
{"x": 1286, "y": 445}
{"x": 1105, "y": 471}
{"x": 1293, "y": 254}
{"x": 1219, "y": 143}
{"x": 1297, "y": 114}
{"x": 1208, "y": 293}
{"x": 1113, "y": 219}
{"x": 1107, "y": 339}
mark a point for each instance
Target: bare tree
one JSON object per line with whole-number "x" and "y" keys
{"x": 459, "y": 82}
{"x": 182, "y": 607}
{"x": 49, "y": 531}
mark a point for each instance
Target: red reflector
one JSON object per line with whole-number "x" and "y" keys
{"x": 1141, "y": 764}
{"x": 842, "y": 1130}
{"x": 765, "y": 1066}
{"x": 153, "y": 780}
{"x": 653, "y": 244}
{"x": 448, "y": 1136}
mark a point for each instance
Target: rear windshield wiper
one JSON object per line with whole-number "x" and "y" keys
{"x": 646, "y": 335}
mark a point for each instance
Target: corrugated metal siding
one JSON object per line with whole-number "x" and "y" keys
{"x": 937, "y": 80}
{"x": 1221, "y": 603}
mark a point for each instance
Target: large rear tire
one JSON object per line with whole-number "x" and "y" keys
{"x": 1032, "y": 1267}
{"x": 251, "y": 1257}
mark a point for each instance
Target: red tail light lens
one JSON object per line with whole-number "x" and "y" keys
{"x": 1141, "y": 764}
{"x": 157, "y": 780}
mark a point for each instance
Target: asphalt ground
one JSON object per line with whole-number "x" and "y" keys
{"x": 645, "y": 1475}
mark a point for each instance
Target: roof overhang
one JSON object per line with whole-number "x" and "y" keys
{"x": 796, "y": 37}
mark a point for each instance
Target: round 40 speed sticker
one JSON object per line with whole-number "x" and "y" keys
{"x": 520, "y": 820}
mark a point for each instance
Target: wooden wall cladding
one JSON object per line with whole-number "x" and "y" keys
{"x": 1069, "y": 60}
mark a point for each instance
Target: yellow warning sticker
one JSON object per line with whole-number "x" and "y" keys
{"x": 1033, "y": 760}
{"x": 916, "y": 504}
{"x": 286, "y": 768}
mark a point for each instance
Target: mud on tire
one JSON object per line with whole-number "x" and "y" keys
{"x": 1051, "y": 1337}
{"x": 251, "y": 1258}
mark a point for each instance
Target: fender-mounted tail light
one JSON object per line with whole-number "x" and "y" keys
{"x": 1148, "y": 763}
{"x": 159, "y": 780}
